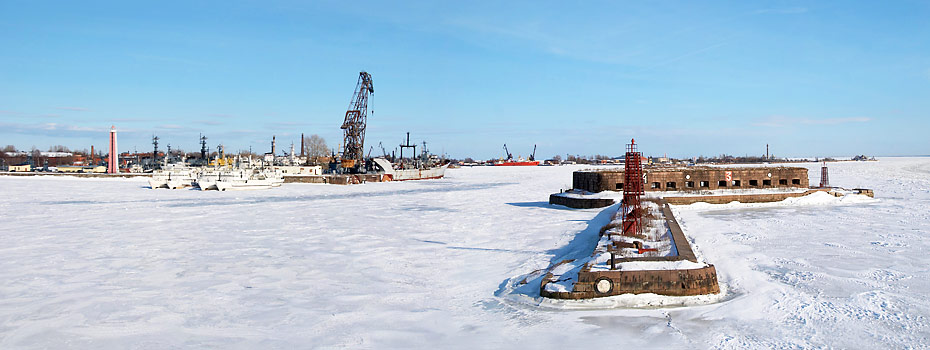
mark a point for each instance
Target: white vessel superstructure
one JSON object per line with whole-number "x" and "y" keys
{"x": 173, "y": 176}
{"x": 240, "y": 178}
{"x": 250, "y": 179}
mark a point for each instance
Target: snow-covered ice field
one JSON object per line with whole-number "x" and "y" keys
{"x": 108, "y": 263}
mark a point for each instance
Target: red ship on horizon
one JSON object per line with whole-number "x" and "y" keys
{"x": 510, "y": 162}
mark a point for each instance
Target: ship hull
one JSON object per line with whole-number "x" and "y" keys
{"x": 391, "y": 174}
{"x": 418, "y": 174}
{"x": 244, "y": 185}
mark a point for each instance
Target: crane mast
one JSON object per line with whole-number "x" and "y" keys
{"x": 354, "y": 125}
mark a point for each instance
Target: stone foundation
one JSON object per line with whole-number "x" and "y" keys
{"x": 593, "y": 284}
{"x": 742, "y": 198}
{"x": 580, "y": 203}
{"x": 665, "y": 282}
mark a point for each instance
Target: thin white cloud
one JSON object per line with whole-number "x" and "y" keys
{"x": 834, "y": 121}
{"x": 131, "y": 120}
{"x": 73, "y": 109}
{"x": 166, "y": 59}
{"x": 57, "y": 126}
{"x": 607, "y": 42}
{"x": 51, "y": 129}
{"x": 777, "y": 121}
{"x": 682, "y": 56}
{"x": 783, "y": 11}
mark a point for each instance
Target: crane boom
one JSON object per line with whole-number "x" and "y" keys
{"x": 355, "y": 122}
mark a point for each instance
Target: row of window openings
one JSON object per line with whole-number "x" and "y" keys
{"x": 735, "y": 183}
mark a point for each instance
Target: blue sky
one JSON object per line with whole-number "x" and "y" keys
{"x": 683, "y": 78}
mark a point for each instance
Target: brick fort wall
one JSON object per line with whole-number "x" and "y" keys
{"x": 696, "y": 178}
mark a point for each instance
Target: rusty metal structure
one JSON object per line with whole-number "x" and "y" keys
{"x": 633, "y": 189}
{"x": 824, "y": 176}
{"x": 354, "y": 125}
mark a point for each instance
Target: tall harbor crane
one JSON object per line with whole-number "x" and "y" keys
{"x": 354, "y": 125}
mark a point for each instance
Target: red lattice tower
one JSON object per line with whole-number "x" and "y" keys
{"x": 633, "y": 189}
{"x": 824, "y": 177}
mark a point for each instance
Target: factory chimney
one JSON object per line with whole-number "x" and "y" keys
{"x": 113, "y": 158}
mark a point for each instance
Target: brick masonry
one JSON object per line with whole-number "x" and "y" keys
{"x": 664, "y": 282}
{"x": 695, "y": 178}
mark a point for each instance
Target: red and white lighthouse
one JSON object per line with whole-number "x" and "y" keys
{"x": 113, "y": 158}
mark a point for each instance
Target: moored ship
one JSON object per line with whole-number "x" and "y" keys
{"x": 422, "y": 167}
{"x": 518, "y": 162}
{"x": 393, "y": 172}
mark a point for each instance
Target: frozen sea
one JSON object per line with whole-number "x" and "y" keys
{"x": 111, "y": 264}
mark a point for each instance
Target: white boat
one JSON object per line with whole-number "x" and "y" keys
{"x": 244, "y": 184}
{"x": 397, "y": 173}
{"x": 173, "y": 176}
{"x": 250, "y": 179}
{"x": 207, "y": 179}
{"x": 158, "y": 182}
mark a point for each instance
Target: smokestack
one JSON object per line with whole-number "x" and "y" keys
{"x": 766, "y": 151}
{"x": 93, "y": 157}
{"x": 302, "y": 144}
{"x": 272, "y": 145}
{"x": 113, "y": 159}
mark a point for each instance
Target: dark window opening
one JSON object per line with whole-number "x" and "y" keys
{"x": 619, "y": 185}
{"x": 669, "y": 185}
{"x": 736, "y": 183}
{"x": 722, "y": 183}
{"x": 766, "y": 182}
{"x": 705, "y": 184}
{"x": 796, "y": 181}
{"x": 656, "y": 185}
{"x": 689, "y": 184}
{"x": 783, "y": 182}
{"x": 753, "y": 183}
